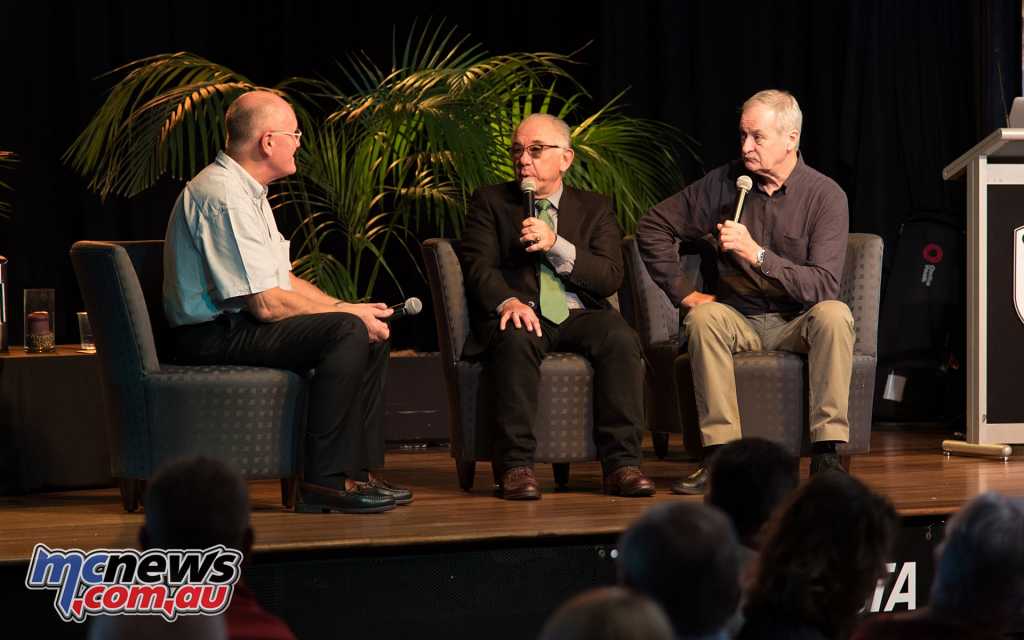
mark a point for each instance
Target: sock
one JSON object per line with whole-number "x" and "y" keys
{"x": 825, "y": 446}
{"x": 710, "y": 451}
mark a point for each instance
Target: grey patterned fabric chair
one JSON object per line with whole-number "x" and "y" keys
{"x": 565, "y": 429}
{"x": 250, "y": 417}
{"x": 771, "y": 386}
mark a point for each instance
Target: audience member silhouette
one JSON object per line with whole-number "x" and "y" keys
{"x": 133, "y": 627}
{"x": 199, "y": 503}
{"x": 978, "y": 591}
{"x": 822, "y": 557}
{"x": 685, "y": 556}
{"x": 608, "y": 613}
{"x": 749, "y": 479}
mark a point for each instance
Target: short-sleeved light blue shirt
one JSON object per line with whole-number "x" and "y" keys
{"x": 222, "y": 242}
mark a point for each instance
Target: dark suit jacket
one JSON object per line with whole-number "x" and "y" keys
{"x": 496, "y": 266}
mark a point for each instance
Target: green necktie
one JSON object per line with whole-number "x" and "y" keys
{"x": 552, "y": 291}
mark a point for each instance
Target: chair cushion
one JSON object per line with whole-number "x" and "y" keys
{"x": 565, "y": 411}
{"x": 772, "y": 391}
{"x": 246, "y": 416}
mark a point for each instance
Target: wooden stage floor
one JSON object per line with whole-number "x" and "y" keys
{"x": 907, "y": 467}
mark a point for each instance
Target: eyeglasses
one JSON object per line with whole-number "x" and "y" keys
{"x": 295, "y": 134}
{"x": 535, "y": 150}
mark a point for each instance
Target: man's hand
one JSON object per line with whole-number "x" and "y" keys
{"x": 734, "y": 237}
{"x": 371, "y": 314}
{"x": 696, "y": 298}
{"x": 522, "y": 315}
{"x": 537, "y": 235}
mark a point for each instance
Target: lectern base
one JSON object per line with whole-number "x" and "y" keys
{"x": 961, "y": 448}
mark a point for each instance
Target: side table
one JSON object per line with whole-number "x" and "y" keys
{"x": 52, "y": 421}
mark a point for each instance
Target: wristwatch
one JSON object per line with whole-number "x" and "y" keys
{"x": 760, "y": 258}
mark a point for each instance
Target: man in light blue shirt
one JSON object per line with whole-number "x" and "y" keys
{"x": 231, "y": 298}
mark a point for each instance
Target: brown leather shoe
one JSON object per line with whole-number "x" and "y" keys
{"x": 629, "y": 482}
{"x": 519, "y": 483}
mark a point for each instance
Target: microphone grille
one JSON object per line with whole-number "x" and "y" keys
{"x": 528, "y": 185}
{"x": 413, "y": 306}
{"x": 744, "y": 183}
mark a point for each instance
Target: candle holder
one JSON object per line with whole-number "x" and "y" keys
{"x": 40, "y": 336}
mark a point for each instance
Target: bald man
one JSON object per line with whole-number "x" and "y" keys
{"x": 539, "y": 282}
{"x": 230, "y": 298}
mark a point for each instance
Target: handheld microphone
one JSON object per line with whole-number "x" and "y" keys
{"x": 744, "y": 184}
{"x": 528, "y": 186}
{"x": 410, "y": 307}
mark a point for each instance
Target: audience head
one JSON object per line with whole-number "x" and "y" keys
{"x": 263, "y": 135}
{"x": 127, "y": 627}
{"x": 979, "y": 577}
{"x": 823, "y": 554}
{"x": 749, "y": 479}
{"x": 197, "y": 503}
{"x": 685, "y": 556}
{"x": 608, "y": 613}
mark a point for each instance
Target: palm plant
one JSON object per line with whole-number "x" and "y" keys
{"x": 395, "y": 152}
{"x": 7, "y": 161}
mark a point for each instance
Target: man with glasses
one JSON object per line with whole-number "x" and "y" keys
{"x": 538, "y": 283}
{"x": 230, "y": 298}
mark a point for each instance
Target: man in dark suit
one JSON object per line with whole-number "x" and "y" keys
{"x": 538, "y": 284}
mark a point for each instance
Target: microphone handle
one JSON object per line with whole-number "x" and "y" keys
{"x": 739, "y": 205}
{"x": 529, "y": 204}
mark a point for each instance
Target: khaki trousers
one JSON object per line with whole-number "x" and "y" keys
{"x": 716, "y": 331}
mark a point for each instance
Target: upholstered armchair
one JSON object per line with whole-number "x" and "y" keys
{"x": 251, "y": 417}
{"x": 565, "y": 429}
{"x": 771, "y": 386}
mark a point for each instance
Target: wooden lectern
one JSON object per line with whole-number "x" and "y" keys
{"x": 995, "y": 293}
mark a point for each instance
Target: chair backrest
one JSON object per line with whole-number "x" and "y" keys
{"x": 861, "y": 289}
{"x": 656, "y": 319}
{"x": 644, "y": 304}
{"x": 120, "y": 320}
{"x": 117, "y": 306}
{"x": 451, "y": 309}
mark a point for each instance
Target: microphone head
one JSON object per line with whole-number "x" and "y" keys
{"x": 413, "y": 306}
{"x": 744, "y": 183}
{"x": 528, "y": 185}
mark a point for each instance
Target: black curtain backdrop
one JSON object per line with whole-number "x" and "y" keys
{"x": 891, "y": 92}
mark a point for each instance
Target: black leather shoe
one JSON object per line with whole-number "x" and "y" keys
{"x": 695, "y": 484}
{"x": 314, "y": 498}
{"x": 383, "y": 487}
{"x": 821, "y": 462}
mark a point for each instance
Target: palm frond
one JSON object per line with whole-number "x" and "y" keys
{"x": 388, "y": 150}
{"x": 165, "y": 114}
{"x": 7, "y": 162}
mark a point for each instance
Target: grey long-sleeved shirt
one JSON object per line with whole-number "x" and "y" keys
{"x": 803, "y": 226}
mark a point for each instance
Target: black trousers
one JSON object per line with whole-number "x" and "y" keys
{"x": 344, "y": 435}
{"x": 513, "y": 360}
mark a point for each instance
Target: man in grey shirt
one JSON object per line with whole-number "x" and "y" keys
{"x": 778, "y": 277}
{"x": 231, "y": 298}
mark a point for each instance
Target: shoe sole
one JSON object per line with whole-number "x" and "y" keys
{"x": 316, "y": 508}
{"x": 499, "y": 494}
{"x": 688, "y": 492}
{"x": 637, "y": 494}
